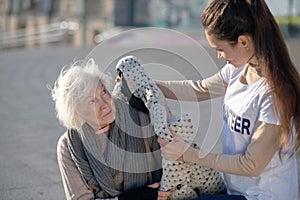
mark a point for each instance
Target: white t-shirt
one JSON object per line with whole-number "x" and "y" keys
{"x": 244, "y": 105}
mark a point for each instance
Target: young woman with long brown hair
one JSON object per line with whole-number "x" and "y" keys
{"x": 261, "y": 89}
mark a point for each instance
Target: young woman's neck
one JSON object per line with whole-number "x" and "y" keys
{"x": 252, "y": 73}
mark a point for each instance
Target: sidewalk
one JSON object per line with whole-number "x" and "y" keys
{"x": 29, "y": 129}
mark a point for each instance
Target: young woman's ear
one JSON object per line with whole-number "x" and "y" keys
{"x": 244, "y": 41}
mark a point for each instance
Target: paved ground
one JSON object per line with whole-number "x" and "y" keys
{"x": 28, "y": 128}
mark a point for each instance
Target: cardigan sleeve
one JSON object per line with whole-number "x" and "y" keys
{"x": 74, "y": 185}
{"x": 260, "y": 151}
{"x": 189, "y": 90}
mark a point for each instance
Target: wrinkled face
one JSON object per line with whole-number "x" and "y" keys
{"x": 236, "y": 54}
{"x": 98, "y": 108}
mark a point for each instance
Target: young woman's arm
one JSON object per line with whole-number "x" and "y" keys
{"x": 263, "y": 146}
{"x": 189, "y": 90}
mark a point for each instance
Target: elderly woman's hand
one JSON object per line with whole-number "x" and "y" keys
{"x": 162, "y": 195}
{"x": 149, "y": 192}
{"x": 173, "y": 150}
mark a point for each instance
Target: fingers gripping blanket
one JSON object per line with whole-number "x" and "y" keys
{"x": 185, "y": 180}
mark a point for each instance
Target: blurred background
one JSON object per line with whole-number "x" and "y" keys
{"x": 39, "y": 37}
{"x": 28, "y": 23}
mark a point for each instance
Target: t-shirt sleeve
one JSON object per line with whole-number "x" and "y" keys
{"x": 225, "y": 73}
{"x": 268, "y": 112}
{"x": 229, "y": 71}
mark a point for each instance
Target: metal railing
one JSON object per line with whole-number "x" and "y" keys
{"x": 31, "y": 36}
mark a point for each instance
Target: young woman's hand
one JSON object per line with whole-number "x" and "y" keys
{"x": 173, "y": 150}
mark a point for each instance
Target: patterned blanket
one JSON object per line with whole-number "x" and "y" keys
{"x": 185, "y": 180}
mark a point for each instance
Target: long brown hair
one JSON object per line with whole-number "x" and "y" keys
{"x": 227, "y": 20}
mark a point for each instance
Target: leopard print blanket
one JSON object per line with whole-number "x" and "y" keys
{"x": 185, "y": 180}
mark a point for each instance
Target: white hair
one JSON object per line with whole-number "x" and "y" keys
{"x": 72, "y": 87}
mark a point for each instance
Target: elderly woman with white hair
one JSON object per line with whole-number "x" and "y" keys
{"x": 109, "y": 150}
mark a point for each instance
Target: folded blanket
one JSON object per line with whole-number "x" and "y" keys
{"x": 185, "y": 180}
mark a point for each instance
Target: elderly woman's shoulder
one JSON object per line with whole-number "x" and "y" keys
{"x": 62, "y": 142}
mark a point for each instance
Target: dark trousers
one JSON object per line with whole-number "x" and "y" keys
{"x": 221, "y": 197}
